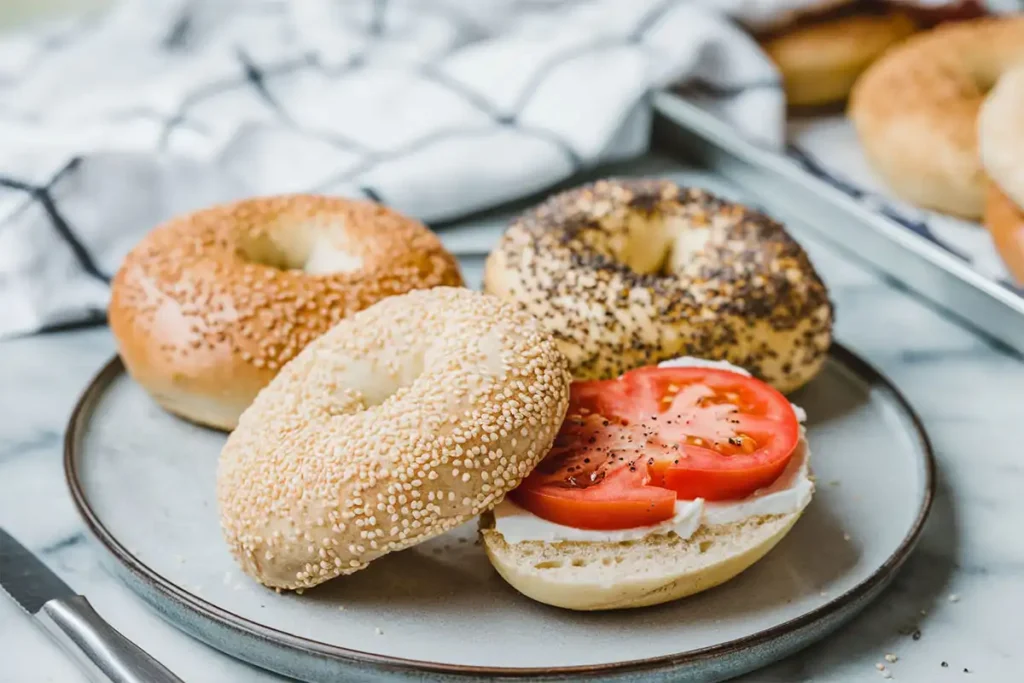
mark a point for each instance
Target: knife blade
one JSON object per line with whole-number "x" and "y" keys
{"x": 26, "y": 579}
{"x": 103, "y": 653}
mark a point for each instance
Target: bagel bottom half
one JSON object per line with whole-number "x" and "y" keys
{"x": 590, "y": 576}
{"x": 1005, "y": 222}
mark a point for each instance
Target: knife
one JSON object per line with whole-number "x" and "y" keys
{"x": 103, "y": 652}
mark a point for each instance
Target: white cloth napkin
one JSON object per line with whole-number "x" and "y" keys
{"x": 112, "y": 123}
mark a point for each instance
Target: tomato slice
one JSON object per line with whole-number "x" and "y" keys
{"x": 630, "y": 446}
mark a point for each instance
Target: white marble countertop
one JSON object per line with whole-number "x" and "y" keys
{"x": 959, "y": 599}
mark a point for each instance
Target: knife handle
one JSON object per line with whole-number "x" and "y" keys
{"x": 107, "y": 655}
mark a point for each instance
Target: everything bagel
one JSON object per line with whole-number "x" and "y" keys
{"x": 400, "y": 423}
{"x": 209, "y": 306}
{"x": 631, "y": 272}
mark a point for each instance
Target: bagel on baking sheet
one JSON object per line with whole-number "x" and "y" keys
{"x": 821, "y": 56}
{"x": 209, "y": 306}
{"x": 1004, "y": 219}
{"x": 626, "y": 273}
{"x": 1001, "y": 142}
{"x": 916, "y": 109}
{"x": 400, "y": 423}
{"x": 1001, "y": 133}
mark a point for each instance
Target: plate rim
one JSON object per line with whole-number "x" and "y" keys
{"x": 225, "y": 618}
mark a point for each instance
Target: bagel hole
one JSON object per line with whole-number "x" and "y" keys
{"x": 377, "y": 385}
{"x": 325, "y": 256}
{"x": 310, "y": 249}
{"x": 660, "y": 244}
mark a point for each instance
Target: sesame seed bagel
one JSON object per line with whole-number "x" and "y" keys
{"x": 400, "y": 423}
{"x": 627, "y": 273}
{"x": 209, "y": 306}
{"x": 916, "y": 109}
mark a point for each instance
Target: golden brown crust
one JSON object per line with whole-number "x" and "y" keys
{"x": 400, "y": 423}
{"x": 204, "y": 316}
{"x": 1001, "y": 134}
{"x": 1005, "y": 221}
{"x": 820, "y": 60}
{"x": 627, "y": 273}
{"x": 915, "y": 110}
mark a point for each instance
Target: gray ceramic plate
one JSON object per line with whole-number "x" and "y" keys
{"x": 144, "y": 484}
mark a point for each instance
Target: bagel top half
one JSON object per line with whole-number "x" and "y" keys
{"x": 400, "y": 423}
{"x": 626, "y": 273}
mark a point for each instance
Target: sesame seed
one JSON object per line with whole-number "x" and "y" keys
{"x": 241, "y": 300}
{"x": 954, "y": 597}
{"x": 891, "y": 658}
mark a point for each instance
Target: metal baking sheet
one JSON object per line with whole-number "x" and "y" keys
{"x": 809, "y": 205}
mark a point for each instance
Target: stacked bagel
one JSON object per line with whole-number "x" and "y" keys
{"x": 821, "y": 47}
{"x": 374, "y": 403}
{"x": 941, "y": 119}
